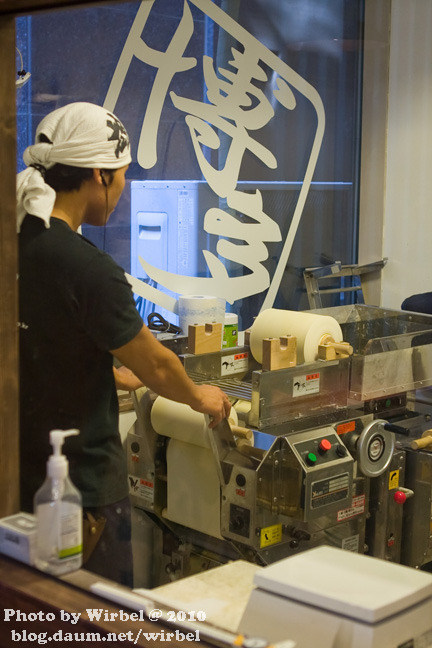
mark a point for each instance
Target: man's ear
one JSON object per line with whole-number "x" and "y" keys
{"x": 99, "y": 176}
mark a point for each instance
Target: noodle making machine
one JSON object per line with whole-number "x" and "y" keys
{"x": 329, "y": 443}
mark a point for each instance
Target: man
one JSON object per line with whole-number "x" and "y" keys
{"x": 77, "y": 313}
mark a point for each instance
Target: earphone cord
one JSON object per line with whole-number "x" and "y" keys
{"x": 106, "y": 218}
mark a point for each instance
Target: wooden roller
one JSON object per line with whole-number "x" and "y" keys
{"x": 242, "y": 432}
{"x": 242, "y": 443}
{"x": 424, "y": 442}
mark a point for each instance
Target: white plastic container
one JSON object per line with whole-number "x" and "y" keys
{"x": 58, "y": 511}
{"x": 230, "y": 335}
{"x": 18, "y": 537}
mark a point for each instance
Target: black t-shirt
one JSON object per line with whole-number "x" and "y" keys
{"x": 75, "y": 305}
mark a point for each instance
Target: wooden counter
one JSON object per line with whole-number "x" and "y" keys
{"x": 27, "y": 591}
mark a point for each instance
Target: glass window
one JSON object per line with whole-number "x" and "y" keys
{"x": 221, "y": 100}
{"x": 244, "y": 119}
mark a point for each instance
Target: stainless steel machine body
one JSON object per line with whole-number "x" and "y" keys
{"x": 331, "y": 450}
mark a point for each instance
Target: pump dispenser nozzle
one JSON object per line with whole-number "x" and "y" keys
{"x": 57, "y": 438}
{"x": 57, "y": 466}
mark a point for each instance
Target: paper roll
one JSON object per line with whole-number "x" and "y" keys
{"x": 199, "y": 309}
{"x": 308, "y": 328}
{"x": 181, "y": 422}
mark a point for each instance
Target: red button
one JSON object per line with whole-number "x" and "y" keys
{"x": 399, "y": 497}
{"x": 324, "y": 445}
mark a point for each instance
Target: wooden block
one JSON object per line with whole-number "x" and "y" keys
{"x": 205, "y": 338}
{"x": 333, "y": 350}
{"x": 279, "y": 353}
{"x": 247, "y": 337}
{"x": 326, "y": 352}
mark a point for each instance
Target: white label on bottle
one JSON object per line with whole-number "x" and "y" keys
{"x": 70, "y": 530}
{"x": 59, "y": 530}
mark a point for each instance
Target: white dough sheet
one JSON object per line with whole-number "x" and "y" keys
{"x": 181, "y": 422}
{"x": 193, "y": 485}
{"x": 308, "y": 328}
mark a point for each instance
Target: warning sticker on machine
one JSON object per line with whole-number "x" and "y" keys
{"x": 357, "y": 508}
{"x": 393, "y": 479}
{"x": 308, "y": 384}
{"x": 142, "y": 488}
{"x": 235, "y": 363}
{"x": 270, "y": 535}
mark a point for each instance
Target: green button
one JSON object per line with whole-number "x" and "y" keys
{"x": 311, "y": 457}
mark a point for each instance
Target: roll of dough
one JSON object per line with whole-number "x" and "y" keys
{"x": 181, "y": 422}
{"x": 308, "y": 328}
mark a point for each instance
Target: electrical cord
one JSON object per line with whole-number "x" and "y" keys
{"x": 156, "y": 322}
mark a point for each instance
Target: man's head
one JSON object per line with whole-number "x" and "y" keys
{"x": 73, "y": 144}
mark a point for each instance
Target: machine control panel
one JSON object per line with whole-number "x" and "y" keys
{"x": 303, "y": 477}
{"x": 327, "y": 468}
{"x": 320, "y": 450}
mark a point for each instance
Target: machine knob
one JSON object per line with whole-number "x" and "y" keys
{"x": 240, "y": 480}
{"x": 399, "y": 497}
{"x": 402, "y": 494}
{"x": 300, "y": 534}
{"x": 311, "y": 459}
{"x": 324, "y": 445}
{"x": 341, "y": 451}
{"x": 237, "y": 523}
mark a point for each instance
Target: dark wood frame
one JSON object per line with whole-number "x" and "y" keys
{"x": 9, "y": 396}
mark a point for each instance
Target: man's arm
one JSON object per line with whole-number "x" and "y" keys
{"x": 125, "y": 379}
{"x": 161, "y": 370}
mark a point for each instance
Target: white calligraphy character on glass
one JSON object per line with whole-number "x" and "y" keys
{"x": 231, "y": 111}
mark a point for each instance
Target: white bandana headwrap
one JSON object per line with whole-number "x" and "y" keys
{"x": 82, "y": 135}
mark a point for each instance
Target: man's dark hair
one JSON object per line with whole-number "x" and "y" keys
{"x": 62, "y": 177}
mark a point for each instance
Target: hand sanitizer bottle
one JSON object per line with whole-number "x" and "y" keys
{"x": 58, "y": 511}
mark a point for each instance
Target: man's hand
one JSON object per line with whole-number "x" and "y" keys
{"x": 160, "y": 370}
{"x": 212, "y": 401}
